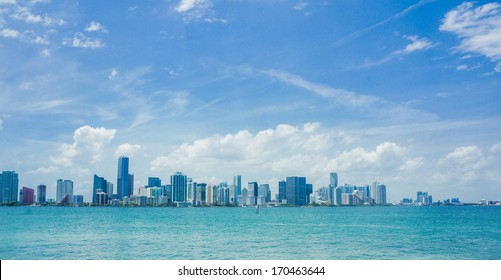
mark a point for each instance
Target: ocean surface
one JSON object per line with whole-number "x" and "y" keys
{"x": 317, "y": 233}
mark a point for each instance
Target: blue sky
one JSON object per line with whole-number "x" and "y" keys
{"x": 402, "y": 92}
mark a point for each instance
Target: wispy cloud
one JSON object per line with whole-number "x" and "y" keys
{"x": 47, "y": 105}
{"x": 352, "y": 99}
{"x": 479, "y": 28}
{"x": 417, "y": 44}
{"x": 359, "y": 33}
{"x": 343, "y": 96}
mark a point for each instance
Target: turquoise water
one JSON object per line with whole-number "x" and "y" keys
{"x": 240, "y": 233}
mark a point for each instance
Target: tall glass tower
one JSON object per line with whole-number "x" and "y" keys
{"x": 179, "y": 183}
{"x": 64, "y": 191}
{"x": 123, "y": 184}
{"x": 237, "y": 184}
{"x": 296, "y": 190}
{"x": 42, "y": 194}
{"x": 333, "y": 184}
{"x": 9, "y": 185}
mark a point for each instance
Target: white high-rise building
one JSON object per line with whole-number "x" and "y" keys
{"x": 64, "y": 189}
{"x": 379, "y": 193}
{"x": 332, "y": 188}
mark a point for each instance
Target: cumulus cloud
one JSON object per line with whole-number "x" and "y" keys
{"x": 479, "y": 28}
{"x": 258, "y": 150}
{"x": 464, "y": 163}
{"x": 88, "y": 145}
{"x": 127, "y": 150}
{"x": 79, "y": 40}
{"x": 95, "y": 26}
{"x": 385, "y": 154}
{"x": 285, "y": 150}
{"x": 417, "y": 44}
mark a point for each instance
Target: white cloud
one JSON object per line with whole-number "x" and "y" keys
{"x": 385, "y": 154}
{"x": 95, "y": 26}
{"x": 300, "y": 5}
{"x": 46, "y": 105}
{"x": 88, "y": 144}
{"x": 9, "y": 33}
{"x": 127, "y": 150}
{"x": 498, "y": 68}
{"x": 141, "y": 118}
{"x": 341, "y": 95}
{"x": 462, "y": 67}
{"x": 79, "y": 40}
{"x": 358, "y": 33}
{"x": 479, "y": 28}
{"x": 24, "y": 14}
{"x": 45, "y": 52}
{"x": 7, "y": 2}
{"x": 45, "y": 170}
{"x": 113, "y": 74}
{"x": 443, "y": 94}
{"x": 416, "y": 45}
{"x": 186, "y": 5}
{"x": 193, "y": 10}
{"x": 1, "y": 124}
{"x": 287, "y": 150}
{"x": 496, "y": 148}
{"x": 216, "y": 20}
{"x": 412, "y": 164}
{"x": 39, "y": 1}
{"x": 262, "y": 151}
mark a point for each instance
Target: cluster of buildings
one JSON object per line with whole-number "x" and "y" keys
{"x": 184, "y": 191}
{"x": 348, "y": 195}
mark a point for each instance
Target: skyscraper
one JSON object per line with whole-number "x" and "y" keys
{"x": 64, "y": 191}
{"x": 26, "y": 195}
{"x": 179, "y": 187}
{"x": 154, "y": 182}
{"x": 333, "y": 184}
{"x": 100, "y": 185}
{"x": 379, "y": 192}
{"x": 42, "y": 194}
{"x": 281, "y": 191}
{"x": 253, "y": 192}
{"x": 9, "y": 185}
{"x": 123, "y": 183}
{"x": 296, "y": 190}
{"x": 237, "y": 185}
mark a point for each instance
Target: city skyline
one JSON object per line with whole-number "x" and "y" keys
{"x": 405, "y": 93}
{"x": 293, "y": 191}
